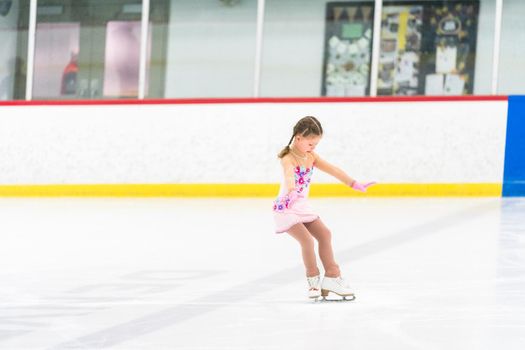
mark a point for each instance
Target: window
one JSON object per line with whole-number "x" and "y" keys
{"x": 87, "y": 49}
{"x": 209, "y": 51}
{"x": 308, "y": 44}
{"x": 13, "y": 56}
{"x": 91, "y": 49}
{"x": 512, "y": 53}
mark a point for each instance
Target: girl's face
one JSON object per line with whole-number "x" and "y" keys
{"x": 306, "y": 144}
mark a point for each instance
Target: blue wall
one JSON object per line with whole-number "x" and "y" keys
{"x": 514, "y": 171}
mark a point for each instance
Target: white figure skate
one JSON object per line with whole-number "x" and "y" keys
{"x": 314, "y": 287}
{"x": 338, "y": 286}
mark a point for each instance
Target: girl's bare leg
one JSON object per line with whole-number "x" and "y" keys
{"x": 323, "y": 235}
{"x": 305, "y": 239}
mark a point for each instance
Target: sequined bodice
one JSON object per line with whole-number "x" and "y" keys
{"x": 303, "y": 177}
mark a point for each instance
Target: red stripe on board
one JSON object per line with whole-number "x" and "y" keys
{"x": 255, "y": 100}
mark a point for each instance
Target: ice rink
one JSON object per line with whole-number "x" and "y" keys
{"x": 151, "y": 274}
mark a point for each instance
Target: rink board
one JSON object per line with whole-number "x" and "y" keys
{"x": 453, "y": 146}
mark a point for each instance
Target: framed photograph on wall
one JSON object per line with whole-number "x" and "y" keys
{"x": 347, "y": 48}
{"x": 428, "y": 47}
{"x": 400, "y": 50}
{"x": 448, "y": 48}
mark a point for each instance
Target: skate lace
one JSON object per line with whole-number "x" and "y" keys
{"x": 313, "y": 282}
{"x": 342, "y": 282}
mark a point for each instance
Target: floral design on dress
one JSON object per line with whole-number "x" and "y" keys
{"x": 302, "y": 181}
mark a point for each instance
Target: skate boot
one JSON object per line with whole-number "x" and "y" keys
{"x": 314, "y": 287}
{"x": 338, "y": 286}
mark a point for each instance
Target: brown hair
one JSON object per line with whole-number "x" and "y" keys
{"x": 305, "y": 127}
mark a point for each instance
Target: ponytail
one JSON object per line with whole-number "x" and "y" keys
{"x": 286, "y": 148}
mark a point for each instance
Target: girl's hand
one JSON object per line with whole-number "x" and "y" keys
{"x": 292, "y": 197}
{"x": 361, "y": 187}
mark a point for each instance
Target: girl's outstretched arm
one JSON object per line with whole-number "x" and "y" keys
{"x": 340, "y": 174}
{"x": 331, "y": 169}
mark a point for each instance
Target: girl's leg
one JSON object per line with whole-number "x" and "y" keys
{"x": 301, "y": 234}
{"x": 323, "y": 235}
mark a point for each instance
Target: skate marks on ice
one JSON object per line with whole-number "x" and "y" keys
{"x": 126, "y": 331}
{"x": 171, "y": 316}
{"x": 6, "y": 334}
{"x": 23, "y": 314}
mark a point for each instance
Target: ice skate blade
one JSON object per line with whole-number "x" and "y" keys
{"x": 323, "y": 298}
{"x": 339, "y": 300}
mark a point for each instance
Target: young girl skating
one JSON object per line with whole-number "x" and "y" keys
{"x": 293, "y": 214}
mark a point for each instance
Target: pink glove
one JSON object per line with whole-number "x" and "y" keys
{"x": 361, "y": 187}
{"x": 292, "y": 197}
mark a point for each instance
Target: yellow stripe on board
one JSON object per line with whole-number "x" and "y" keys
{"x": 247, "y": 190}
{"x": 411, "y": 190}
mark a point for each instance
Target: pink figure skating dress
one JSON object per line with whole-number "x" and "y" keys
{"x": 285, "y": 214}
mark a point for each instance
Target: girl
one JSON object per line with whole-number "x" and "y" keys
{"x": 293, "y": 214}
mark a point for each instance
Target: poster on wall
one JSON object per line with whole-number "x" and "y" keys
{"x": 426, "y": 48}
{"x": 448, "y": 48}
{"x": 347, "y": 48}
{"x": 400, "y": 49}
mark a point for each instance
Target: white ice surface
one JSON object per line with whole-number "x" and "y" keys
{"x": 154, "y": 274}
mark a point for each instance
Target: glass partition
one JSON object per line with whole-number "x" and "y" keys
{"x": 316, "y": 48}
{"x": 90, "y": 49}
{"x": 205, "y": 48}
{"x": 87, "y": 49}
{"x": 426, "y": 47}
{"x": 14, "y": 24}
{"x": 512, "y": 53}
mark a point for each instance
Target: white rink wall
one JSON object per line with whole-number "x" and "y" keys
{"x": 390, "y": 142}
